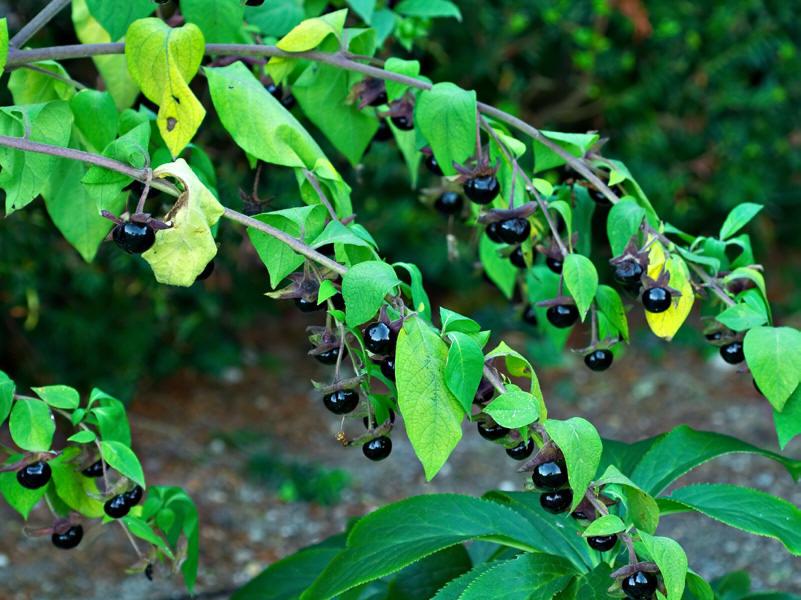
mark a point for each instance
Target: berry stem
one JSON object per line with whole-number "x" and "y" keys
{"x": 492, "y": 376}
{"x": 140, "y": 206}
{"x": 479, "y": 150}
{"x": 130, "y": 538}
{"x": 712, "y": 284}
{"x": 629, "y": 542}
{"x": 315, "y": 183}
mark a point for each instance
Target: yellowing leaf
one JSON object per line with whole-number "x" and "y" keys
{"x": 162, "y": 61}
{"x": 666, "y": 324}
{"x": 182, "y": 252}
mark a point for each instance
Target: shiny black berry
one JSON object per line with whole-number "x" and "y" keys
{"x": 550, "y": 475}
{"x": 134, "y": 238}
{"x": 733, "y": 353}
{"x": 599, "y": 360}
{"x": 149, "y": 571}
{"x": 656, "y": 300}
{"x": 433, "y": 166}
{"x": 206, "y": 272}
{"x": 530, "y": 315}
{"x": 379, "y": 338}
{"x": 493, "y": 232}
{"x": 554, "y": 264}
{"x": 602, "y": 543}
{"x": 69, "y": 539}
{"x": 491, "y": 431}
{"x": 384, "y": 132}
{"x": 34, "y": 475}
{"x": 517, "y": 258}
{"x": 562, "y": 315}
{"x": 557, "y": 501}
{"x": 116, "y": 507}
{"x": 514, "y": 231}
{"x": 94, "y": 470}
{"x": 714, "y": 336}
{"x": 388, "y": 368}
{"x": 378, "y": 448}
{"x": 629, "y": 273}
{"x": 639, "y": 586}
{"x": 522, "y": 451}
{"x": 482, "y": 190}
{"x": 308, "y": 306}
{"x": 328, "y": 357}
{"x": 449, "y": 203}
{"x": 341, "y": 402}
{"x": 134, "y": 495}
{"x": 403, "y": 122}
{"x": 254, "y": 2}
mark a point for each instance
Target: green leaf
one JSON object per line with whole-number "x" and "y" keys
{"x": 605, "y": 525}
{"x": 19, "y": 498}
{"x": 623, "y": 222}
{"x": 277, "y": 17}
{"x": 162, "y": 61}
{"x": 257, "y": 122}
{"x": 684, "y": 448}
{"x": 420, "y": 300}
{"x": 581, "y": 280}
{"x": 429, "y": 8}
{"x": 787, "y": 422}
{"x": 464, "y": 368}
{"x": 142, "y": 530}
{"x": 742, "y": 317}
{"x": 364, "y": 287}
{"x": 3, "y": 44}
{"x": 85, "y": 436}
{"x": 219, "y": 20}
{"x": 95, "y": 117}
{"x": 110, "y": 416}
{"x": 116, "y": 17}
{"x": 33, "y": 87}
{"x": 363, "y": 8}
{"x": 738, "y": 218}
{"x": 671, "y": 561}
{"x": 746, "y": 509}
{"x": 589, "y": 586}
{"x": 581, "y": 445}
{"x": 431, "y": 413}
{"x": 457, "y": 587}
{"x": 698, "y": 588}
{"x": 528, "y": 577}
{"x": 7, "y": 388}
{"x": 446, "y": 116}
{"x": 76, "y": 491}
{"x": 402, "y": 533}
{"x": 32, "y": 425}
{"x": 122, "y": 459}
{"x": 424, "y": 578}
{"x": 453, "y": 321}
{"x": 59, "y": 396}
{"x": 307, "y": 35}
{"x": 519, "y": 366}
{"x": 611, "y": 306}
{"x": 498, "y": 268}
{"x": 577, "y": 144}
{"x": 642, "y": 509}
{"x": 514, "y": 408}
{"x": 772, "y": 354}
{"x": 410, "y": 68}
{"x": 563, "y": 208}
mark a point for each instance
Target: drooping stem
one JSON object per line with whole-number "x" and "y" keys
{"x": 32, "y": 27}
{"x": 315, "y": 183}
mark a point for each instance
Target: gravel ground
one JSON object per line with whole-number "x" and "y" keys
{"x": 178, "y": 425}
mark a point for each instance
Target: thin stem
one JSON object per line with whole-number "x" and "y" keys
{"x": 131, "y": 539}
{"x": 315, "y": 183}
{"x": 479, "y": 149}
{"x": 712, "y": 284}
{"x": 32, "y": 27}
{"x": 140, "y": 206}
{"x": 594, "y": 324}
{"x": 492, "y": 376}
{"x": 626, "y": 539}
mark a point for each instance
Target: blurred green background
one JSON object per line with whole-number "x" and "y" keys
{"x": 699, "y": 98}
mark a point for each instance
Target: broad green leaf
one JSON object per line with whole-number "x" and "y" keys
{"x": 742, "y": 317}
{"x": 429, "y": 8}
{"x": 221, "y": 21}
{"x": 589, "y": 586}
{"x": 453, "y": 321}
{"x": 277, "y": 17}
{"x": 498, "y": 268}
{"x": 774, "y": 356}
{"x": 410, "y": 68}
{"x": 514, "y": 408}
{"x": 456, "y": 587}
{"x": 122, "y": 459}
{"x": 576, "y": 144}
{"x": 7, "y": 388}
{"x": 407, "y": 144}
{"x": 162, "y": 61}
{"x": 622, "y": 223}
{"x": 95, "y": 117}
{"x": 256, "y": 120}
{"x": 32, "y": 425}
{"x": 363, "y": 8}
{"x": 364, "y": 287}
{"x": 519, "y": 366}
{"x": 399, "y": 534}
{"x": 581, "y": 280}
{"x": 420, "y": 300}
{"x": 698, "y": 587}
{"x": 3, "y": 44}
{"x": 33, "y": 87}
{"x": 446, "y": 117}
{"x": 530, "y": 576}
{"x": 671, "y": 561}
{"x": 788, "y": 421}
{"x": 110, "y": 416}
{"x": 625, "y": 456}
{"x": 116, "y": 17}
{"x": 667, "y": 323}
{"x": 307, "y": 35}
{"x": 84, "y": 436}
{"x": 19, "y": 498}
{"x": 431, "y": 413}
{"x": 605, "y": 525}
{"x": 738, "y": 218}
{"x": 563, "y": 208}
{"x": 337, "y": 233}
{"x": 611, "y": 305}
{"x": 464, "y": 368}
{"x": 581, "y": 446}
{"x": 182, "y": 252}
{"x": 76, "y": 491}
{"x": 747, "y": 509}
{"x": 641, "y": 508}
{"x": 424, "y": 578}
{"x": 142, "y": 530}
{"x": 59, "y": 396}
{"x": 684, "y": 448}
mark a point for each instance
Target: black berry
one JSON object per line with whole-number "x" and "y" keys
{"x": 338, "y": 301}
{"x": 530, "y": 315}
{"x": 714, "y": 336}
{"x": 69, "y": 539}
{"x": 491, "y": 431}
{"x": 341, "y": 402}
{"x": 432, "y": 165}
{"x": 557, "y": 501}
{"x": 656, "y": 300}
{"x": 639, "y": 586}
{"x": 254, "y": 2}
{"x": 378, "y": 448}
{"x": 482, "y": 190}
{"x": 514, "y": 231}
{"x": 134, "y": 495}
{"x": 149, "y": 571}
{"x": 328, "y": 357}
{"x": 554, "y": 264}
{"x": 550, "y": 475}
{"x": 493, "y": 232}
{"x": 206, "y": 272}
{"x": 134, "y": 238}
{"x": 34, "y": 475}
{"x": 598, "y": 197}
{"x": 116, "y": 507}
{"x": 733, "y": 353}
{"x": 308, "y": 306}
{"x": 379, "y": 100}
{"x": 602, "y": 543}
{"x": 629, "y": 273}
{"x": 449, "y": 203}
{"x": 517, "y": 258}
{"x": 388, "y": 368}
{"x": 522, "y": 451}
{"x": 384, "y": 132}
{"x": 378, "y": 338}
{"x": 289, "y": 101}
{"x": 562, "y": 315}
{"x": 403, "y": 122}
{"x": 599, "y": 360}
{"x": 94, "y": 470}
